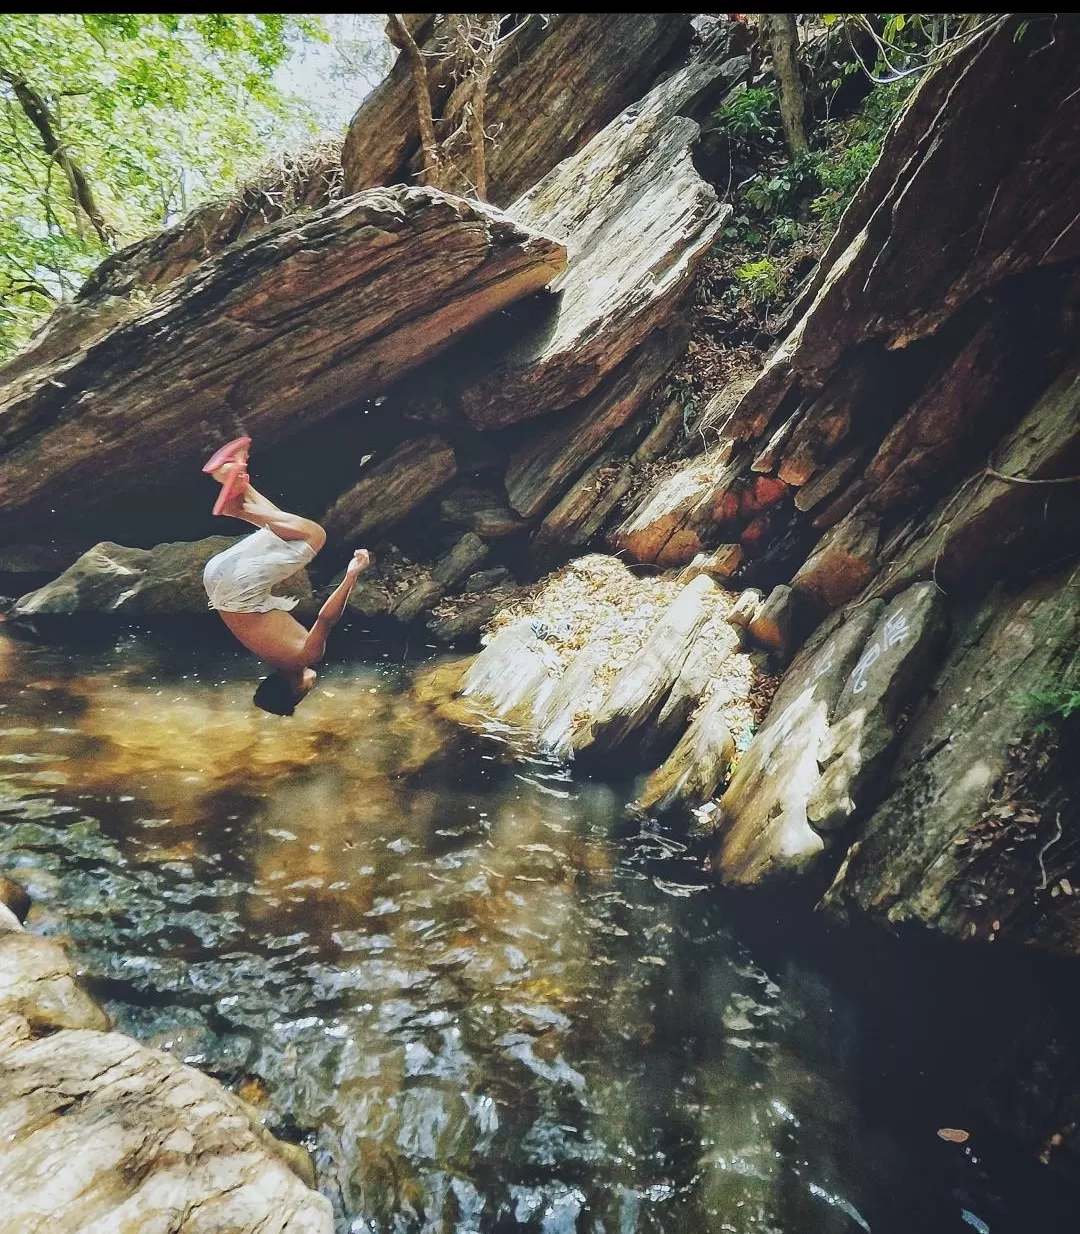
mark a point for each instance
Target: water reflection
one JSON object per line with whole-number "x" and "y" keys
{"x": 486, "y": 1001}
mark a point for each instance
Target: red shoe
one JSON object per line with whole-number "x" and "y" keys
{"x": 226, "y": 453}
{"x": 234, "y": 481}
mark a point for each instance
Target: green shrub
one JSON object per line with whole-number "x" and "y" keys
{"x": 753, "y": 112}
{"x": 760, "y": 280}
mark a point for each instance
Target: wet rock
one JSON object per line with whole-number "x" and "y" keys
{"x": 138, "y": 582}
{"x": 970, "y": 840}
{"x": 700, "y": 762}
{"x": 37, "y": 982}
{"x": 15, "y": 898}
{"x": 561, "y": 717}
{"x": 705, "y": 660}
{"x": 280, "y": 331}
{"x": 105, "y": 1134}
{"x": 642, "y": 685}
{"x": 512, "y": 673}
{"x": 770, "y": 626}
{"x": 833, "y": 720}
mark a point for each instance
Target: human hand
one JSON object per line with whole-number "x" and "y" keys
{"x": 361, "y": 559}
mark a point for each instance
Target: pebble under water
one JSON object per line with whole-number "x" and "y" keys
{"x": 481, "y": 992}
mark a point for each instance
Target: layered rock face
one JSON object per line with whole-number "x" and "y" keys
{"x": 896, "y": 496}
{"x": 382, "y": 351}
{"x": 557, "y": 79}
{"x": 104, "y": 1134}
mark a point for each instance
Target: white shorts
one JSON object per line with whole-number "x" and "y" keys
{"x": 239, "y": 579}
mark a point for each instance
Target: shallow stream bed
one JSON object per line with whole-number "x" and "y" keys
{"x": 481, "y": 992}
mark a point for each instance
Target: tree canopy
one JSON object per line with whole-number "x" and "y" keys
{"x": 117, "y": 123}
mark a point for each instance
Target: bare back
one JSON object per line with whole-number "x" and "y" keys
{"x": 276, "y": 637}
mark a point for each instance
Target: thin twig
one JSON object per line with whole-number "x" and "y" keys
{"x": 1046, "y": 848}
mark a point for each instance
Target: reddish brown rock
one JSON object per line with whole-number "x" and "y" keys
{"x": 841, "y": 564}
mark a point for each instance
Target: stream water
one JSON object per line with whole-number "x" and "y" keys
{"x": 483, "y": 994}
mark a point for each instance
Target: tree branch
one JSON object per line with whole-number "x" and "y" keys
{"x": 37, "y": 112}
{"x": 399, "y": 35}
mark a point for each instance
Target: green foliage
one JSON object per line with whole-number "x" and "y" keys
{"x": 1051, "y": 706}
{"x": 158, "y": 112}
{"x": 753, "y": 112}
{"x": 760, "y": 280}
{"x": 851, "y": 148}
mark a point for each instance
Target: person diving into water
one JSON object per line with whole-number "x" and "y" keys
{"x": 238, "y": 583}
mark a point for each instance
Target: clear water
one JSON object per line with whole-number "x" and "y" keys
{"x": 484, "y": 996}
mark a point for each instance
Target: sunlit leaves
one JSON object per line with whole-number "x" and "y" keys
{"x": 159, "y": 111}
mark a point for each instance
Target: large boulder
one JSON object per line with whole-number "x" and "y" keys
{"x": 557, "y": 79}
{"x": 104, "y": 1135}
{"x": 137, "y": 582}
{"x": 831, "y": 724}
{"x": 636, "y": 219}
{"x": 276, "y": 333}
{"x": 975, "y": 836}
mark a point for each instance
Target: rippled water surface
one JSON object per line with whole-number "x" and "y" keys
{"x": 484, "y": 996}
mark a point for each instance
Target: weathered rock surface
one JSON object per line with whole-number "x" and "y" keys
{"x": 102, "y": 1135}
{"x": 986, "y": 226}
{"x": 973, "y": 837}
{"x": 391, "y": 490}
{"x": 636, "y": 179}
{"x": 832, "y": 721}
{"x": 276, "y": 333}
{"x": 638, "y": 691}
{"x": 626, "y": 663}
{"x": 38, "y": 983}
{"x": 990, "y": 520}
{"x": 137, "y": 582}
{"x": 555, "y": 83}
{"x": 547, "y": 461}
{"x": 689, "y": 776}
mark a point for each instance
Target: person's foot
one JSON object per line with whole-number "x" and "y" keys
{"x": 361, "y": 559}
{"x": 233, "y": 506}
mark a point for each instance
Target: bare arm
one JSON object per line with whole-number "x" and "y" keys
{"x": 333, "y": 608}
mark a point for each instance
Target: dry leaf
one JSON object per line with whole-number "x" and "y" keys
{"x": 953, "y": 1134}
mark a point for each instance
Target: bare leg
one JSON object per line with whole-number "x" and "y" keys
{"x": 332, "y": 609}
{"x": 251, "y": 506}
